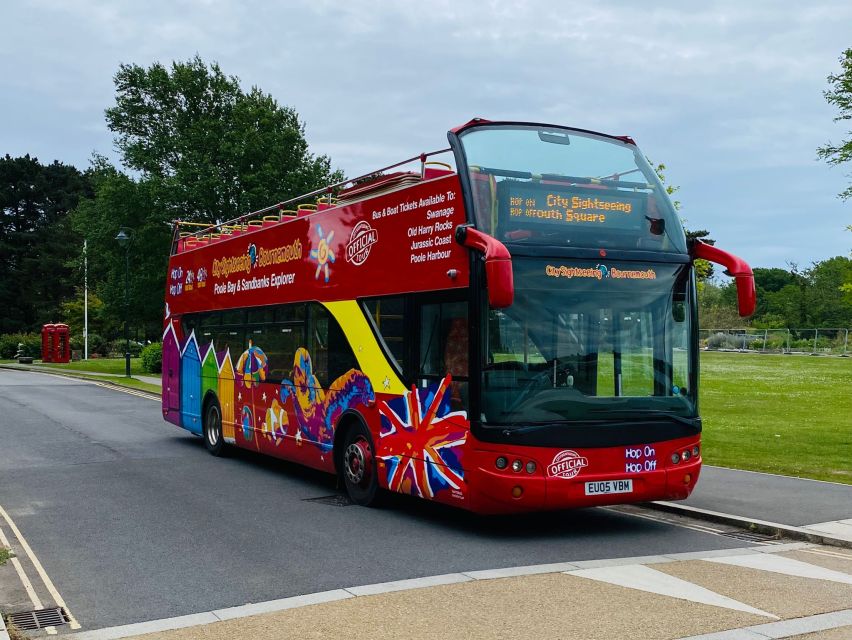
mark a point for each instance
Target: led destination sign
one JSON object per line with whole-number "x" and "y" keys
{"x": 526, "y": 205}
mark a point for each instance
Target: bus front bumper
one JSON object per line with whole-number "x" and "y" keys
{"x": 573, "y": 486}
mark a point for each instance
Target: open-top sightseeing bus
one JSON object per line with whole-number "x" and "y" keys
{"x": 519, "y": 333}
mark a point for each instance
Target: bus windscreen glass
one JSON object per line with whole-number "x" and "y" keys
{"x": 584, "y": 340}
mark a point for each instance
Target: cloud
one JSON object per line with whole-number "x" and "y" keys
{"x": 727, "y": 94}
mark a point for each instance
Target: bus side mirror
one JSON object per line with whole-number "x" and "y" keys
{"x": 498, "y": 264}
{"x": 736, "y": 267}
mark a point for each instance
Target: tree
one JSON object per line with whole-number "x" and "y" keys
{"x": 839, "y": 94}
{"x": 201, "y": 149}
{"x": 827, "y": 306}
{"x": 37, "y": 245}
{"x": 210, "y": 150}
{"x": 119, "y": 201}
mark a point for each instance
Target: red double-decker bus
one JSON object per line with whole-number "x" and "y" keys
{"x": 517, "y": 333}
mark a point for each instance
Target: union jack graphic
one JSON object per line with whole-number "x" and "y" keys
{"x": 420, "y": 442}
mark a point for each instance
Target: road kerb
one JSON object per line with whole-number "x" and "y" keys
{"x": 751, "y": 524}
{"x": 88, "y": 378}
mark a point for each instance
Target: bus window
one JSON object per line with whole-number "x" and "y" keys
{"x": 280, "y": 342}
{"x": 389, "y": 321}
{"x": 233, "y": 317}
{"x": 260, "y": 315}
{"x": 331, "y": 354}
{"x": 444, "y": 343}
{"x": 189, "y": 323}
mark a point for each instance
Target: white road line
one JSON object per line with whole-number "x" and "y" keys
{"x": 28, "y": 585}
{"x": 4, "y": 635}
{"x": 25, "y": 581}
{"x": 130, "y": 392}
{"x": 98, "y": 383}
{"x": 48, "y": 583}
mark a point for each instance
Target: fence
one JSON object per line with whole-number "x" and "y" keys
{"x": 807, "y": 341}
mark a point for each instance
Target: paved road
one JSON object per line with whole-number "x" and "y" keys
{"x": 133, "y": 520}
{"x": 774, "y": 498}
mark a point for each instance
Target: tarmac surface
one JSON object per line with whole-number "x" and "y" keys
{"x": 792, "y": 501}
{"x": 134, "y": 522}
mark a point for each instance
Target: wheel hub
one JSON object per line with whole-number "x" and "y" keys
{"x": 213, "y": 427}
{"x": 358, "y": 462}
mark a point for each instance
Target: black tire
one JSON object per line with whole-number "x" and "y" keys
{"x": 358, "y": 466}
{"x": 213, "y": 439}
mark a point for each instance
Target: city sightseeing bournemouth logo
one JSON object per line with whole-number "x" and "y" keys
{"x": 361, "y": 240}
{"x": 255, "y": 257}
{"x": 567, "y": 464}
{"x": 599, "y": 272}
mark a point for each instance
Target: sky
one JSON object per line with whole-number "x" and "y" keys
{"x": 728, "y": 94}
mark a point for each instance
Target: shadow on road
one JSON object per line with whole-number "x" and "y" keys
{"x": 326, "y": 493}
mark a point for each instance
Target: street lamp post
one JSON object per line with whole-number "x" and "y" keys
{"x": 124, "y": 238}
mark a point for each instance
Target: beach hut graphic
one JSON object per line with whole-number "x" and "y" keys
{"x": 171, "y": 374}
{"x": 190, "y": 386}
{"x": 226, "y": 396}
{"x": 209, "y": 372}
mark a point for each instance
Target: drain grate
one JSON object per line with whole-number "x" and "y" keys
{"x": 39, "y": 619}
{"x": 335, "y": 500}
{"x": 750, "y": 536}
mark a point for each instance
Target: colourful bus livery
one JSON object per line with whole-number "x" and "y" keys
{"x": 519, "y": 333}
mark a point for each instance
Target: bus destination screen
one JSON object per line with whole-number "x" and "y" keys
{"x": 547, "y": 208}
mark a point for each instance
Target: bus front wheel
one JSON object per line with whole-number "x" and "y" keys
{"x": 359, "y": 466}
{"x": 213, "y": 439}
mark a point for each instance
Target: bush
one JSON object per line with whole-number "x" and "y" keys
{"x": 734, "y": 341}
{"x": 9, "y": 345}
{"x": 117, "y": 347}
{"x": 98, "y": 345}
{"x": 78, "y": 343}
{"x": 152, "y": 358}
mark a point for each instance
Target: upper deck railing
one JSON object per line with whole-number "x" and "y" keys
{"x": 330, "y": 196}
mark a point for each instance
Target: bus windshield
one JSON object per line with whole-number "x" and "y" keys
{"x": 544, "y": 185}
{"x": 584, "y": 340}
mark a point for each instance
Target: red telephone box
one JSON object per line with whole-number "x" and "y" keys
{"x": 48, "y": 338}
{"x": 55, "y": 343}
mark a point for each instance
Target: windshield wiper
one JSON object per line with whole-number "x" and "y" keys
{"x": 652, "y": 413}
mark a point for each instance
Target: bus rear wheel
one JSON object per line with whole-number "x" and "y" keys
{"x": 213, "y": 439}
{"x": 359, "y": 466}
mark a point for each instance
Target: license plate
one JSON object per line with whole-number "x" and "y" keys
{"x": 609, "y": 486}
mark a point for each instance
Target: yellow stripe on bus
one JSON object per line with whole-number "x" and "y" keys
{"x": 371, "y": 359}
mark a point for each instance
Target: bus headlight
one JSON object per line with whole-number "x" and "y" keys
{"x": 530, "y": 467}
{"x": 686, "y": 455}
{"x": 517, "y": 465}
{"x": 501, "y": 463}
{"x": 675, "y": 457}
{"x": 695, "y": 451}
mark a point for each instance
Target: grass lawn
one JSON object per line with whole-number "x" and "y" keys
{"x": 778, "y": 413}
{"x": 98, "y": 365}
